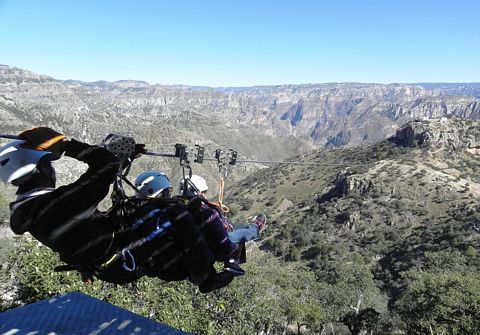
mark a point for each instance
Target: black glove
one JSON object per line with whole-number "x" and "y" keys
{"x": 139, "y": 150}
{"x": 44, "y": 139}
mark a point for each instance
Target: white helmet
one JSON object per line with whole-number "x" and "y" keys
{"x": 195, "y": 185}
{"x": 152, "y": 184}
{"x": 17, "y": 161}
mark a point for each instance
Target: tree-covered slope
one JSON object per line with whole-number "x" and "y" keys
{"x": 402, "y": 204}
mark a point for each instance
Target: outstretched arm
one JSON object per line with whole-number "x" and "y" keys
{"x": 75, "y": 199}
{"x": 92, "y": 186}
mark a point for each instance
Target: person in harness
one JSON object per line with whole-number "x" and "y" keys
{"x": 152, "y": 185}
{"x": 112, "y": 247}
{"x": 196, "y": 186}
{"x": 211, "y": 214}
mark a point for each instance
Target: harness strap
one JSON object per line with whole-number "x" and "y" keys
{"x": 221, "y": 195}
{"x": 109, "y": 261}
{"x": 128, "y": 259}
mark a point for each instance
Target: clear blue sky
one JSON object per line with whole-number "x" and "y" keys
{"x": 244, "y": 42}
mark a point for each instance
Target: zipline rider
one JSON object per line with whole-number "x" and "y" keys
{"x": 66, "y": 219}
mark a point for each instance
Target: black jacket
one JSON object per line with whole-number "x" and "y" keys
{"x": 66, "y": 219}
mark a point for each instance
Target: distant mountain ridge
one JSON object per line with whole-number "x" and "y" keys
{"x": 472, "y": 89}
{"x": 312, "y": 115}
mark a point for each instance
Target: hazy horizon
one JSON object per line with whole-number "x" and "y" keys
{"x": 239, "y": 87}
{"x": 244, "y": 44}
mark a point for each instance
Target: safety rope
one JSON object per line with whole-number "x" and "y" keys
{"x": 221, "y": 193}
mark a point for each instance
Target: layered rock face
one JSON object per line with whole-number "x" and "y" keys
{"x": 351, "y": 114}
{"x": 278, "y": 119}
{"x": 158, "y": 115}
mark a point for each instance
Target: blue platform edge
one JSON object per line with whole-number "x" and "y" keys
{"x": 78, "y": 314}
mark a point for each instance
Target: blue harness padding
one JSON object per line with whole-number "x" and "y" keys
{"x": 146, "y": 217}
{"x": 161, "y": 226}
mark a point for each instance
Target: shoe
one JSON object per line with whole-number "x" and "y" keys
{"x": 261, "y": 221}
{"x": 232, "y": 267}
{"x": 216, "y": 281}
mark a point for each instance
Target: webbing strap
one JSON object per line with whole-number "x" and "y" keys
{"x": 221, "y": 194}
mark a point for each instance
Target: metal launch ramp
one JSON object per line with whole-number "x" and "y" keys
{"x": 78, "y": 314}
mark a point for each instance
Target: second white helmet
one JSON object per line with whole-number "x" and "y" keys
{"x": 194, "y": 185}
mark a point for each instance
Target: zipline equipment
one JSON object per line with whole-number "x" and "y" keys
{"x": 122, "y": 146}
{"x": 125, "y": 148}
{"x": 182, "y": 153}
{"x": 12, "y": 137}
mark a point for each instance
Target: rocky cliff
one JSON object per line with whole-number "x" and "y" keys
{"x": 268, "y": 122}
{"x": 350, "y": 114}
{"x": 445, "y": 134}
{"x": 337, "y": 114}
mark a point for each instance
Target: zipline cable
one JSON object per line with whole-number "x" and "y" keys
{"x": 148, "y": 153}
{"x": 12, "y": 137}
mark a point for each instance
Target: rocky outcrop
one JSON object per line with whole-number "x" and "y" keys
{"x": 348, "y": 220}
{"x": 346, "y": 184}
{"x": 342, "y": 138}
{"x": 294, "y": 114}
{"x": 447, "y": 132}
